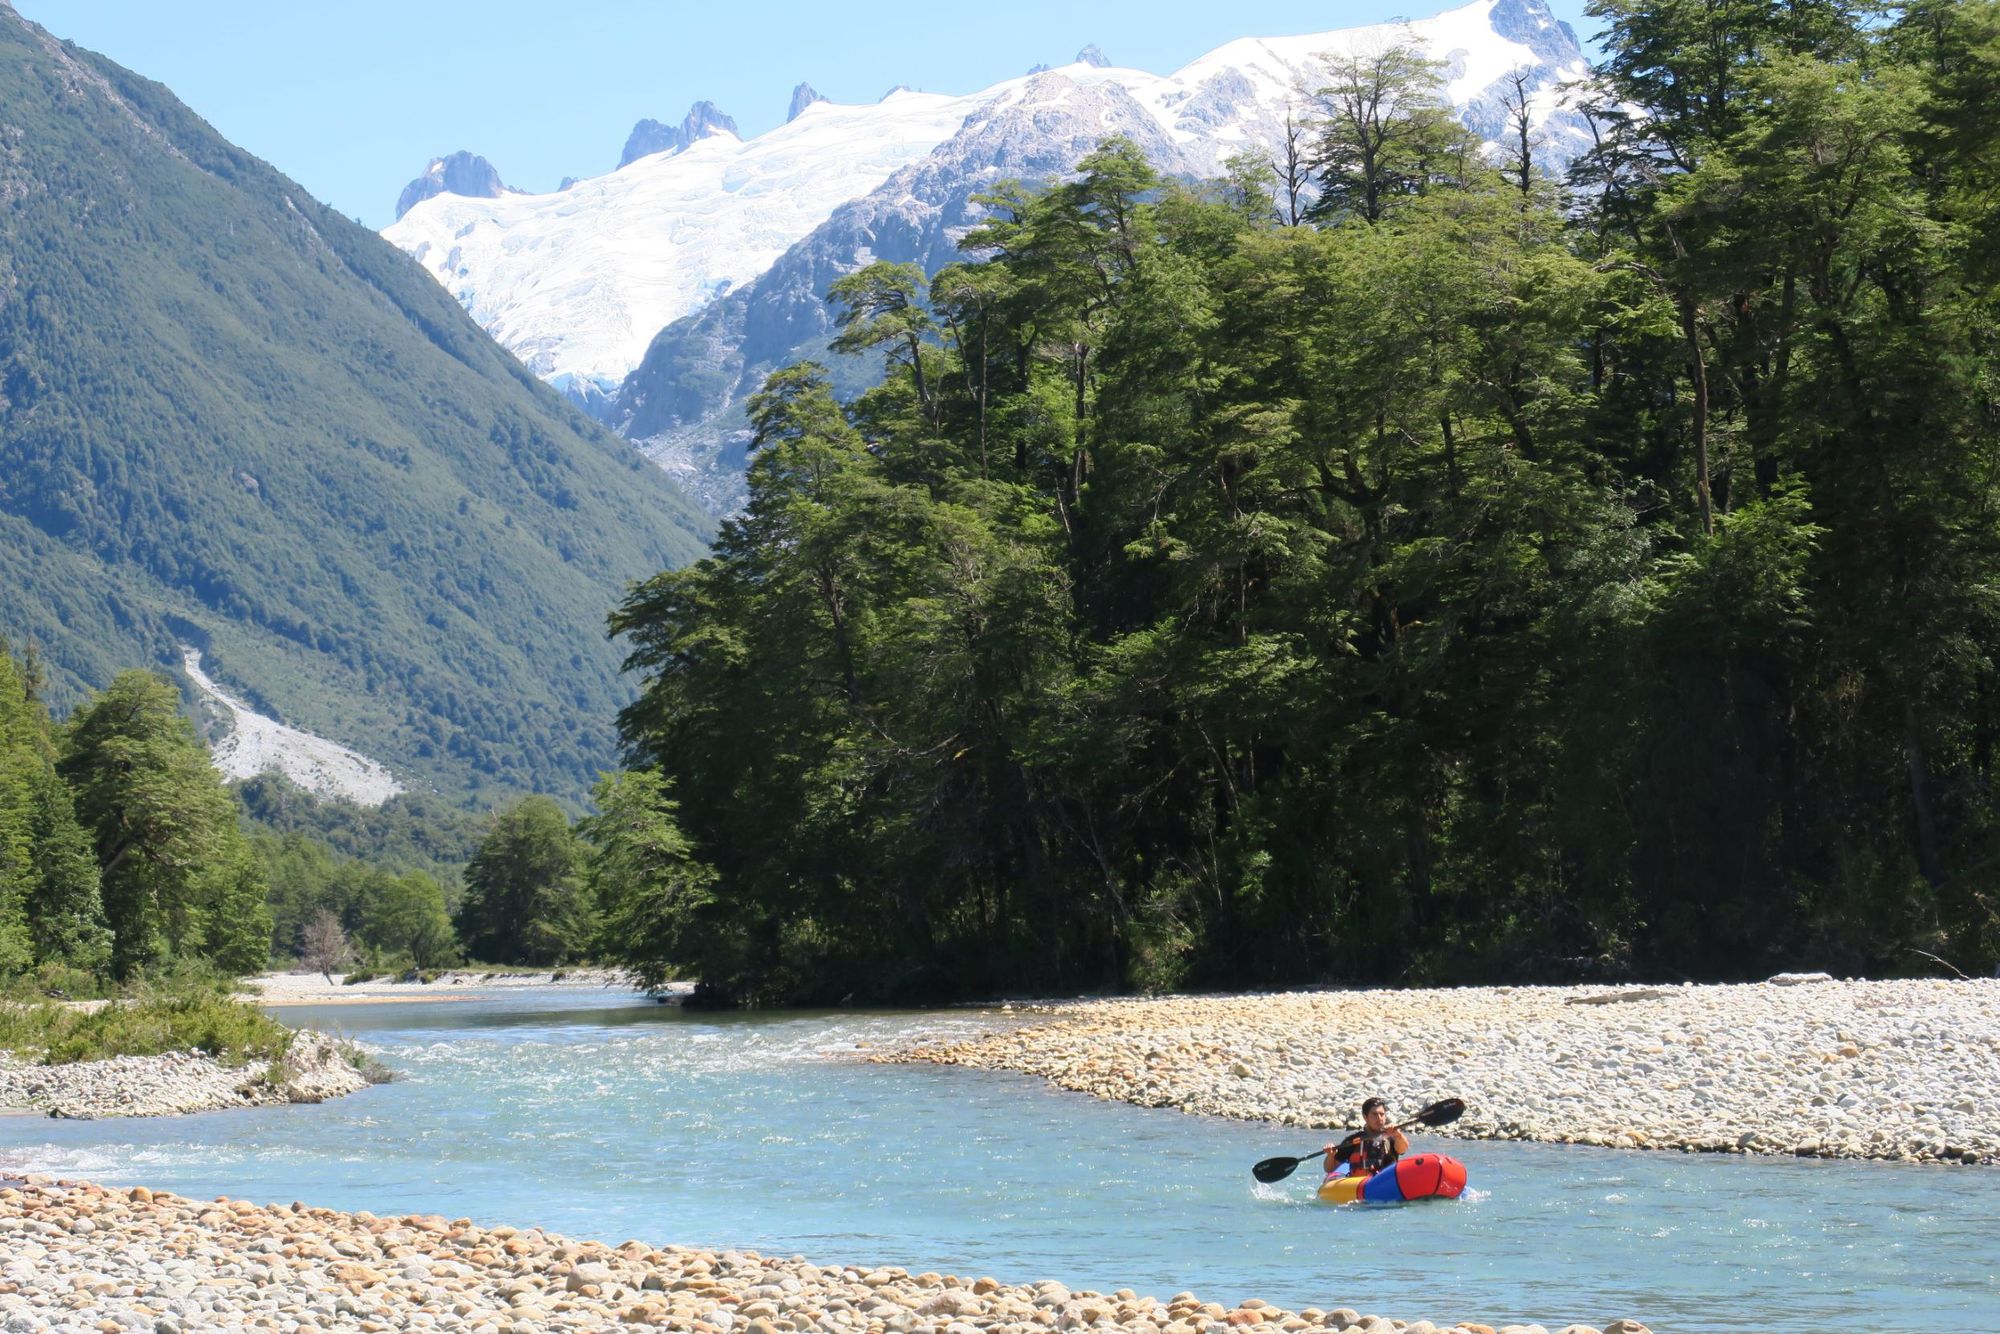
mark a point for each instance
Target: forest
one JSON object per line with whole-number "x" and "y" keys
{"x": 127, "y": 862}
{"x": 1385, "y": 564}
{"x": 1388, "y": 563}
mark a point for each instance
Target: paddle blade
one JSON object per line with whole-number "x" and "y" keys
{"x": 1442, "y": 1113}
{"x": 1277, "y": 1169}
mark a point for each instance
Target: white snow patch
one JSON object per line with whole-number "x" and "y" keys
{"x": 577, "y": 283}
{"x": 257, "y": 744}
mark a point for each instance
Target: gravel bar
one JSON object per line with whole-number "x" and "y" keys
{"x": 313, "y": 1069}
{"x": 79, "y": 1256}
{"x": 1801, "y": 1064}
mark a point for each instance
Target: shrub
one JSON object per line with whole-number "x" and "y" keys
{"x": 191, "y": 1018}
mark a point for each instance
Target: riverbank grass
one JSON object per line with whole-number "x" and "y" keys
{"x": 144, "y": 1024}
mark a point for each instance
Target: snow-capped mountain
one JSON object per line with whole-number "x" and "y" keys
{"x": 649, "y": 136}
{"x": 458, "y": 173}
{"x": 577, "y": 283}
{"x": 714, "y": 256}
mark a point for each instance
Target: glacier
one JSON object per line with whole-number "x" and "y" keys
{"x": 577, "y": 283}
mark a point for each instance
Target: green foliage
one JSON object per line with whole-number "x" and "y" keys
{"x": 66, "y": 906}
{"x": 232, "y": 418}
{"x": 178, "y": 877}
{"x": 1386, "y": 132}
{"x": 524, "y": 892}
{"x": 411, "y": 831}
{"x": 1459, "y": 589}
{"x": 407, "y": 920}
{"x": 654, "y": 899}
{"x": 187, "y": 1016}
{"x": 390, "y": 919}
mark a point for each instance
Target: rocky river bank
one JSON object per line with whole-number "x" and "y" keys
{"x": 313, "y": 1069}
{"x": 1902, "y": 1070}
{"x": 78, "y": 1256}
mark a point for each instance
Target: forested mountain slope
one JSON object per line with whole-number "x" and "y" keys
{"x": 232, "y": 418}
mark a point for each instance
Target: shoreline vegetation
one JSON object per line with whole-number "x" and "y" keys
{"x": 198, "y": 1050}
{"x": 190, "y": 1048}
{"x": 171, "y": 1263}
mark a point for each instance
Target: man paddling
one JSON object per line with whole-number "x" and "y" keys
{"x": 1368, "y": 1150}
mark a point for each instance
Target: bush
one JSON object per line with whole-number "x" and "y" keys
{"x": 54, "y": 980}
{"x": 192, "y": 1018}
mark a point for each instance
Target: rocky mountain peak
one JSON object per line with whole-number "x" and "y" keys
{"x": 724, "y": 326}
{"x": 1533, "y": 25}
{"x": 461, "y": 173}
{"x": 650, "y": 136}
{"x": 803, "y": 96}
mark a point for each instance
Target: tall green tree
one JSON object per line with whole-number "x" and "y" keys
{"x": 524, "y": 899}
{"x": 65, "y": 903}
{"x": 1385, "y": 133}
{"x": 653, "y": 896}
{"x": 23, "y": 745}
{"x": 178, "y": 880}
{"x": 405, "y": 918}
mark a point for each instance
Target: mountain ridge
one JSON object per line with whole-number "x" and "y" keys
{"x": 572, "y": 285}
{"x": 650, "y": 136}
{"x": 683, "y": 404}
{"x": 234, "y": 419}
{"x": 461, "y": 173}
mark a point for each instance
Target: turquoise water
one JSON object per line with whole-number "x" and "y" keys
{"x": 596, "y": 1116}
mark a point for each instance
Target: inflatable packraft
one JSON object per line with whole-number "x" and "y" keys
{"x": 1421, "y": 1176}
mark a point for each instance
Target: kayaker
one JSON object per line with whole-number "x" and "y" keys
{"x": 1370, "y": 1149}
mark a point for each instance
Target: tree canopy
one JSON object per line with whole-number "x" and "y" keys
{"x": 1475, "y": 582}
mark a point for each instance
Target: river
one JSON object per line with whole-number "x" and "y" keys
{"x": 605, "y": 1116}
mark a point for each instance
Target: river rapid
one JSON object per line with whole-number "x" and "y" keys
{"x": 600, "y": 1115}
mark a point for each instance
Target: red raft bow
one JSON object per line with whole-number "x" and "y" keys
{"x": 1421, "y": 1176}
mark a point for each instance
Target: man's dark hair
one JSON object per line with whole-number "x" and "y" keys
{"x": 1371, "y": 1105}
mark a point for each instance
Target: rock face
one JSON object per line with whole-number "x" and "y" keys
{"x": 650, "y": 136}
{"x": 1092, "y": 57}
{"x": 141, "y": 1259}
{"x": 255, "y": 744}
{"x": 460, "y": 173}
{"x": 803, "y": 96}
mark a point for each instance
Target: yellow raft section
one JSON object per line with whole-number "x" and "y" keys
{"x": 1342, "y": 1190}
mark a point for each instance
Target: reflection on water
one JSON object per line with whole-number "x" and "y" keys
{"x": 591, "y": 1115}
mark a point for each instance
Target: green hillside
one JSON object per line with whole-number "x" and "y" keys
{"x": 231, "y": 417}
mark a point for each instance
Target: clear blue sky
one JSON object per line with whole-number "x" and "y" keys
{"x": 352, "y": 97}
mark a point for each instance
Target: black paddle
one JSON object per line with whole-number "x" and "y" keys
{"x": 1437, "y": 1114}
